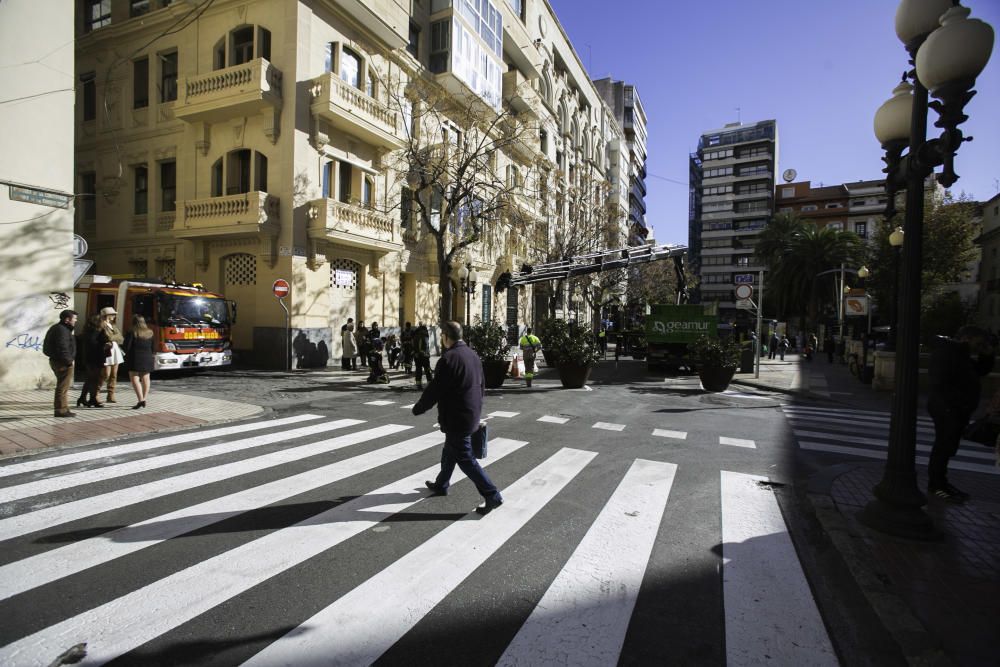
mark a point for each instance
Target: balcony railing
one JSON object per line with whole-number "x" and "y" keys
{"x": 353, "y": 225}
{"x": 235, "y": 215}
{"x": 240, "y": 90}
{"x": 350, "y": 110}
{"x": 517, "y": 92}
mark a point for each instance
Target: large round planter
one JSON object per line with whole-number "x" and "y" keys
{"x": 494, "y": 373}
{"x": 715, "y": 378}
{"x": 551, "y": 358}
{"x": 573, "y": 376}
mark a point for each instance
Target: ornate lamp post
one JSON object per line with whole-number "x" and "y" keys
{"x": 948, "y": 59}
{"x": 469, "y": 278}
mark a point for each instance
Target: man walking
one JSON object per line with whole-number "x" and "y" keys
{"x": 422, "y": 354}
{"x": 457, "y": 389}
{"x": 530, "y": 345}
{"x": 954, "y": 395}
{"x": 60, "y": 347}
{"x": 772, "y": 347}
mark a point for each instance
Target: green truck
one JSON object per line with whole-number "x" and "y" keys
{"x": 669, "y": 330}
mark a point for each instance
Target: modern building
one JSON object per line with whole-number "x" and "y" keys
{"x": 989, "y": 268}
{"x": 36, "y": 201}
{"x": 732, "y": 176}
{"x": 623, "y": 99}
{"x": 242, "y": 141}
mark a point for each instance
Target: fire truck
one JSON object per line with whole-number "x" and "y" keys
{"x": 191, "y": 326}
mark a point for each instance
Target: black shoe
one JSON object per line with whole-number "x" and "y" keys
{"x": 80, "y": 402}
{"x": 491, "y": 504}
{"x": 948, "y": 493}
{"x": 94, "y": 404}
{"x": 435, "y": 489}
{"x": 66, "y": 414}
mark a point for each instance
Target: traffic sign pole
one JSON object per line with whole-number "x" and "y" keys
{"x": 760, "y": 310}
{"x": 281, "y": 289}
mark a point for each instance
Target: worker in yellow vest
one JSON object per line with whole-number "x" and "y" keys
{"x": 530, "y": 345}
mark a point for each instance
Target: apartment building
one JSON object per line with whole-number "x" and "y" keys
{"x": 236, "y": 142}
{"x": 623, "y": 99}
{"x": 989, "y": 268}
{"x": 854, "y": 207}
{"x": 731, "y": 192}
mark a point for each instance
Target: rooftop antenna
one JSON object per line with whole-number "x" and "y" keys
{"x": 739, "y": 117}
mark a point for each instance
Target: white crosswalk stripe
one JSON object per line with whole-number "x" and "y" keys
{"x": 865, "y": 433}
{"x": 608, "y": 426}
{"x": 737, "y": 442}
{"x": 580, "y": 614}
{"x": 549, "y": 419}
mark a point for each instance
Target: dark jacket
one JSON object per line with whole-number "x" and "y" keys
{"x": 457, "y": 389}
{"x": 954, "y": 377}
{"x": 60, "y": 344}
{"x": 94, "y": 347}
{"x": 139, "y": 353}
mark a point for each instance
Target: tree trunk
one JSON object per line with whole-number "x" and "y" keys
{"x": 444, "y": 282}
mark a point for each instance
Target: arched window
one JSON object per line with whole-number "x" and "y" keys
{"x": 243, "y": 44}
{"x": 239, "y": 172}
{"x": 350, "y": 67}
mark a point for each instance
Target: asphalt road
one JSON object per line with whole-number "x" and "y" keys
{"x": 645, "y": 522}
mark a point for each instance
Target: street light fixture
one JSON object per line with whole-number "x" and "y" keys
{"x": 469, "y": 278}
{"x": 896, "y": 242}
{"x": 947, "y": 61}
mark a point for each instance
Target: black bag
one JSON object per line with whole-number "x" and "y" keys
{"x": 983, "y": 430}
{"x": 480, "y": 440}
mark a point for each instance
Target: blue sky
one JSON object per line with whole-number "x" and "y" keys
{"x": 819, "y": 67}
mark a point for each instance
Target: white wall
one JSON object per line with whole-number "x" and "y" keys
{"x": 36, "y": 149}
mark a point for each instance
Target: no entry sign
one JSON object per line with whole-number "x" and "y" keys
{"x": 280, "y": 288}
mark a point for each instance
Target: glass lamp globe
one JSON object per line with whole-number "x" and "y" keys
{"x": 956, "y": 52}
{"x": 892, "y": 120}
{"x": 916, "y": 18}
{"x": 863, "y": 272}
{"x": 463, "y": 273}
{"x": 896, "y": 238}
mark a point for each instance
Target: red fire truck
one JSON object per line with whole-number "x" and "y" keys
{"x": 191, "y": 326}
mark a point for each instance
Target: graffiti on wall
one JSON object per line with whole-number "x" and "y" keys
{"x": 60, "y": 300}
{"x": 26, "y": 341}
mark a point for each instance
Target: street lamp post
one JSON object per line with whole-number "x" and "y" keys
{"x": 947, "y": 61}
{"x": 896, "y": 242}
{"x": 468, "y": 276}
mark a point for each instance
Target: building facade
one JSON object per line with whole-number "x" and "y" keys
{"x": 732, "y": 176}
{"x": 36, "y": 201}
{"x": 246, "y": 141}
{"x": 623, "y": 99}
{"x": 989, "y": 268}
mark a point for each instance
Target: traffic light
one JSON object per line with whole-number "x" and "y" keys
{"x": 503, "y": 282}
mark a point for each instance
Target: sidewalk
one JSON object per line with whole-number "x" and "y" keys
{"x": 937, "y": 599}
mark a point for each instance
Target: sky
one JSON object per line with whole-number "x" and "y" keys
{"x": 820, "y": 68}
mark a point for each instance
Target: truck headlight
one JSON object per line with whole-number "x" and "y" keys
{"x": 169, "y": 347}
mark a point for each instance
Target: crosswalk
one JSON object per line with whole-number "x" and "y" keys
{"x": 865, "y": 433}
{"x": 61, "y": 526}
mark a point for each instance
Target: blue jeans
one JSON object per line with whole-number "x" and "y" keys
{"x": 457, "y": 450}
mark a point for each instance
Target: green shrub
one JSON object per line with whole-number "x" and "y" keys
{"x": 489, "y": 340}
{"x": 571, "y": 344}
{"x": 715, "y": 352}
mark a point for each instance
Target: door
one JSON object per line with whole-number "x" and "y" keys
{"x": 343, "y": 300}
{"x": 239, "y": 281}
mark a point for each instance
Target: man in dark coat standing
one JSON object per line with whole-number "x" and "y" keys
{"x": 60, "y": 347}
{"x": 954, "y": 395}
{"x": 457, "y": 389}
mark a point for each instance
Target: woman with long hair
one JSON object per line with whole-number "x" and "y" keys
{"x": 139, "y": 358}
{"x": 113, "y": 340}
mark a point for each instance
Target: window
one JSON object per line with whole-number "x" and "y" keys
{"x": 350, "y": 68}
{"x": 809, "y": 207}
{"x": 370, "y": 88}
{"x": 487, "y": 302}
{"x": 260, "y": 168}
{"x": 440, "y": 44}
{"x": 836, "y": 226}
{"x": 327, "y": 178}
{"x": 140, "y": 83}
{"x": 217, "y": 178}
{"x": 543, "y": 141}
{"x": 242, "y": 51}
{"x": 834, "y": 205}
{"x": 752, "y": 170}
{"x": 718, "y": 172}
{"x": 716, "y": 260}
{"x": 89, "y": 96}
{"x": 753, "y": 152}
{"x": 96, "y": 14}
{"x": 367, "y": 191}
{"x": 219, "y": 55}
{"x": 743, "y": 260}
{"x": 138, "y": 7}
{"x": 141, "y": 190}
{"x": 861, "y": 229}
{"x": 787, "y": 193}
{"x": 413, "y": 44}
{"x": 346, "y": 173}
{"x": 88, "y": 187}
{"x": 168, "y": 77}
{"x": 168, "y": 186}
{"x": 717, "y": 190}
{"x": 238, "y": 171}
{"x": 719, "y": 154}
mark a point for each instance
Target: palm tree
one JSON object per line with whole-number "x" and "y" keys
{"x": 783, "y": 286}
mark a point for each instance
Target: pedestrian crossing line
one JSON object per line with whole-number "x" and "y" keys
{"x": 548, "y": 419}
{"x": 664, "y": 433}
{"x": 407, "y": 407}
{"x": 741, "y": 394}
{"x": 360, "y": 626}
{"x": 608, "y": 426}
{"x": 38, "y": 464}
{"x": 767, "y": 600}
{"x": 46, "y": 517}
{"x": 980, "y": 453}
{"x": 956, "y": 463}
{"x": 737, "y": 442}
{"x": 839, "y": 424}
{"x": 380, "y": 402}
{"x": 75, "y": 479}
{"x": 852, "y": 414}
{"x": 122, "y": 624}
{"x": 583, "y": 616}
{"x": 23, "y": 575}
{"x": 503, "y": 415}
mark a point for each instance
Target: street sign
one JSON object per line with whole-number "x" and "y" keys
{"x": 856, "y": 305}
{"x": 280, "y": 288}
{"x": 744, "y": 304}
{"x": 40, "y": 196}
{"x": 743, "y": 279}
{"x": 79, "y": 246}
{"x": 744, "y": 291}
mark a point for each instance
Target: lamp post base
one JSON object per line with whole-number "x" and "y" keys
{"x": 900, "y": 521}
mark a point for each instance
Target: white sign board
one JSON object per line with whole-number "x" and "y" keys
{"x": 744, "y": 291}
{"x": 744, "y": 304}
{"x": 855, "y": 305}
{"x": 343, "y": 278}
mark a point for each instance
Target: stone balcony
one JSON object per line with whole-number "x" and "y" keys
{"x": 519, "y": 94}
{"x": 353, "y": 225}
{"x": 248, "y": 214}
{"x": 350, "y": 110}
{"x": 241, "y": 90}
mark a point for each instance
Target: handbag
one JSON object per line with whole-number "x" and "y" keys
{"x": 983, "y": 431}
{"x": 480, "y": 441}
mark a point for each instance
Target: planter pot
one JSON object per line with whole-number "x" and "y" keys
{"x": 714, "y": 378}
{"x": 494, "y": 373}
{"x": 551, "y": 358}
{"x": 573, "y": 376}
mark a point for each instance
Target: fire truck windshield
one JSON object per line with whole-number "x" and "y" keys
{"x": 192, "y": 311}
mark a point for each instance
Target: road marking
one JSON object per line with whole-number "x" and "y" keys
{"x": 361, "y": 625}
{"x": 144, "y": 445}
{"x": 740, "y": 394}
{"x": 503, "y": 415}
{"x": 607, "y": 426}
{"x": 380, "y": 402}
{"x": 23, "y": 575}
{"x": 737, "y": 442}
{"x": 553, "y": 420}
{"x": 832, "y": 424}
{"x": 954, "y": 463}
{"x": 167, "y": 603}
{"x": 407, "y": 407}
{"x": 29, "y": 522}
{"x": 663, "y": 433}
{"x": 848, "y": 413}
{"x": 766, "y": 597}
{"x": 583, "y": 616}
{"x": 75, "y": 479}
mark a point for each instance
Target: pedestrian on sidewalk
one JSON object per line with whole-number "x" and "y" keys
{"x": 772, "y": 346}
{"x": 783, "y": 347}
{"x": 530, "y": 345}
{"x": 350, "y": 347}
{"x": 406, "y": 342}
{"x": 829, "y": 346}
{"x": 113, "y": 339}
{"x": 94, "y": 356}
{"x": 60, "y": 347}
{"x": 139, "y": 359}
{"x": 422, "y": 354}
{"x": 956, "y": 364}
{"x": 363, "y": 343}
{"x": 457, "y": 389}
{"x": 373, "y": 332}
{"x": 393, "y": 350}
